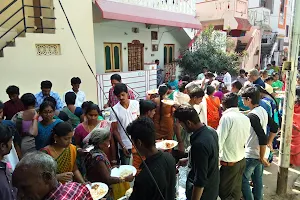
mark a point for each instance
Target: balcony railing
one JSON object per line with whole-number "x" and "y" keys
{"x": 179, "y": 6}
{"x": 17, "y": 18}
{"x": 222, "y": 10}
{"x": 259, "y": 16}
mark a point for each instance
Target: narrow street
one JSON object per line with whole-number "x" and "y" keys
{"x": 270, "y": 182}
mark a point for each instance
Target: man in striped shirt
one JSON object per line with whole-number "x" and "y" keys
{"x": 35, "y": 178}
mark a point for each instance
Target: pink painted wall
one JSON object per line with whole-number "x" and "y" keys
{"x": 216, "y": 10}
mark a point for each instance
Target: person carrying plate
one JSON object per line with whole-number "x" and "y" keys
{"x": 163, "y": 117}
{"x": 98, "y": 167}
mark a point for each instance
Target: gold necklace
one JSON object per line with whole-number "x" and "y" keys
{"x": 56, "y": 151}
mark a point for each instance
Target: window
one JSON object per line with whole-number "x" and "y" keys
{"x": 169, "y": 53}
{"x": 287, "y": 31}
{"x": 113, "y": 58}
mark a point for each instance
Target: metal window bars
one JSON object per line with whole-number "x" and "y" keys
{"x": 23, "y": 19}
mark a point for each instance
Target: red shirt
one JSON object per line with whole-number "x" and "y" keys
{"x": 113, "y": 99}
{"x": 11, "y": 108}
{"x": 70, "y": 191}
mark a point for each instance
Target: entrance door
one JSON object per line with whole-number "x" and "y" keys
{"x": 135, "y": 56}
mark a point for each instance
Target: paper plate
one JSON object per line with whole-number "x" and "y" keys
{"x": 168, "y": 102}
{"x": 123, "y": 171}
{"x": 166, "y": 144}
{"x": 280, "y": 92}
{"x": 98, "y": 193}
{"x": 154, "y": 91}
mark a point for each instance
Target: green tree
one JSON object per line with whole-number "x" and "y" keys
{"x": 210, "y": 52}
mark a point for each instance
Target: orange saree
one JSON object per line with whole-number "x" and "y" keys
{"x": 213, "y": 115}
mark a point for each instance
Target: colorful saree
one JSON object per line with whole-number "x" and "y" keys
{"x": 213, "y": 114}
{"x": 66, "y": 160}
{"x": 75, "y": 120}
{"x": 44, "y": 134}
{"x": 295, "y": 143}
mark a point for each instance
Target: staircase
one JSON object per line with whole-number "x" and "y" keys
{"x": 18, "y": 17}
{"x": 251, "y": 53}
{"x": 240, "y": 47}
{"x": 267, "y": 50}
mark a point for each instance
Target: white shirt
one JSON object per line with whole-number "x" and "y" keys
{"x": 80, "y": 98}
{"x": 233, "y": 132}
{"x": 126, "y": 116}
{"x": 202, "y": 111}
{"x": 252, "y": 145}
{"x": 181, "y": 98}
{"x": 227, "y": 81}
{"x": 12, "y": 158}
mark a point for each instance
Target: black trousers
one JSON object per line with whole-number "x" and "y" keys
{"x": 231, "y": 181}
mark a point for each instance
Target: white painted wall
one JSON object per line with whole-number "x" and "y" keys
{"x": 121, "y": 32}
{"x": 22, "y": 67}
{"x": 253, "y": 3}
{"x": 138, "y": 81}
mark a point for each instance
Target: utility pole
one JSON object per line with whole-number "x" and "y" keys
{"x": 289, "y": 102}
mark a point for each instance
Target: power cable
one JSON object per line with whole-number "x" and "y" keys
{"x": 102, "y": 90}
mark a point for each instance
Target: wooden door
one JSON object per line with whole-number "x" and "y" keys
{"x": 135, "y": 56}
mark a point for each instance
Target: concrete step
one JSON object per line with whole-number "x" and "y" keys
{"x": 1, "y": 53}
{"x": 7, "y": 37}
{"x": 11, "y": 43}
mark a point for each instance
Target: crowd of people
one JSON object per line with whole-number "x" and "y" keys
{"x": 51, "y": 147}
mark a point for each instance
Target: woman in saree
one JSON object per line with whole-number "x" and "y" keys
{"x": 64, "y": 153}
{"x": 45, "y": 126}
{"x": 163, "y": 117}
{"x": 97, "y": 163}
{"x": 295, "y": 143}
{"x": 83, "y": 134}
{"x": 58, "y": 114}
{"x": 213, "y": 107}
{"x": 74, "y": 113}
{"x": 83, "y": 130}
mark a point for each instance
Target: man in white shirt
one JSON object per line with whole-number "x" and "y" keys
{"x": 227, "y": 79}
{"x": 80, "y": 95}
{"x": 126, "y": 111}
{"x": 256, "y": 145}
{"x": 198, "y": 102}
{"x": 233, "y": 132}
{"x": 180, "y": 96}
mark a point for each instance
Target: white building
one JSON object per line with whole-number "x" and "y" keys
{"x": 275, "y": 16}
{"x": 117, "y": 36}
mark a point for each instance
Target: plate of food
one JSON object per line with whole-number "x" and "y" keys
{"x": 154, "y": 91}
{"x": 168, "y": 102}
{"x": 98, "y": 190}
{"x": 280, "y": 92}
{"x": 123, "y": 171}
{"x": 166, "y": 144}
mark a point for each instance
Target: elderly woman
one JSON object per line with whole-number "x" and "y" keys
{"x": 97, "y": 164}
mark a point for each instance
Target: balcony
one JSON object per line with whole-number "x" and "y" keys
{"x": 179, "y": 6}
{"x": 174, "y": 13}
{"x": 260, "y": 17}
{"x": 216, "y": 12}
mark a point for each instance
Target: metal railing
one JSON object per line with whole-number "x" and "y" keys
{"x": 24, "y": 20}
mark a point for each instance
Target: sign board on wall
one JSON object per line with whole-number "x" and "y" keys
{"x": 138, "y": 81}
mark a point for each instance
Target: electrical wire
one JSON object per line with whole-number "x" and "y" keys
{"x": 102, "y": 90}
